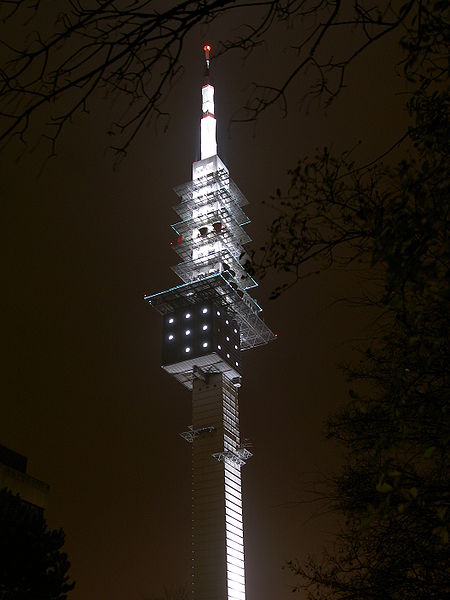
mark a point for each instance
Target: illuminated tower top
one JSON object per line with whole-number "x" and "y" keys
{"x": 210, "y": 241}
{"x": 208, "y": 142}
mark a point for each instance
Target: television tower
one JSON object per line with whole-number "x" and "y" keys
{"x": 208, "y": 320}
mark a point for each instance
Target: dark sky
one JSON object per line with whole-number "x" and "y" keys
{"x": 85, "y": 398}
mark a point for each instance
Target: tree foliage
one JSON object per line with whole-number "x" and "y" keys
{"x": 393, "y": 222}
{"x": 32, "y": 563}
{"x": 393, "y": 490}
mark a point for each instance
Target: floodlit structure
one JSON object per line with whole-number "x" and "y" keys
{"x": 208, "y": 320}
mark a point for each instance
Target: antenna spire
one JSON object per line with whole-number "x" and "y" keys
{"x": 207, "y": 49}
{"x": 208, "y": 143}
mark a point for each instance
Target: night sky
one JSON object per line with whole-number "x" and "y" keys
{"x": 84, "y": 396}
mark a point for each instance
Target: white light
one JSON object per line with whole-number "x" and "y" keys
{"x": 228, "y": 339}
{"x": 237, "y": 364}
{"x": 227, "y": 322}
{"x": 219, "y": 347}
{"x": 235, "y": 331}
{"x": 228, "y": 356}
{"x": 187, "y": 315}
{"x": 188, "y": 331}
{"x": 187, "y": 349}
{"x": 204, "y": 311}
{"x": 208, "y": 144}
{"x": 205, "y": 344}
{"x": 170, "y": 337}
{"x": 218, "y": 313}
{"x": 205, "y": 327}
{"x": 235, "y": 347}
{"x": 208, "y": 99}
{"x": 171, "y": 320}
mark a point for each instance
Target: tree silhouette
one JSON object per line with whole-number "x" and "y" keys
{"x": 32, "y": 563}
{"x": 392, "y": 223}
{"x": 393, "y": 490}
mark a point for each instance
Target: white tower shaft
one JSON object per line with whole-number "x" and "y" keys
{"x": 208, "y": 141}
{"x": 217, "y": 532}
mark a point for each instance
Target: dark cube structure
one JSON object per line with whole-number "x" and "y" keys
{"x": 202, "y": 334}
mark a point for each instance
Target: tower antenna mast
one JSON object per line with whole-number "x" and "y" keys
{"x": 207, "y": 50}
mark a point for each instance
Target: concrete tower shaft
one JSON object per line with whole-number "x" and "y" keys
{"x": 217, "y": 531}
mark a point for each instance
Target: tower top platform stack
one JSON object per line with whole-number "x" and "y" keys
{"x": 210, "y": 240}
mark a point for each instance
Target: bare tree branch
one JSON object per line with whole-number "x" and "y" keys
{"x": 134, "y": 49}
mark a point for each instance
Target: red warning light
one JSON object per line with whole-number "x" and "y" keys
{"x": 179, "y": 238}
{"x": 170, "y": 243}
{"x": 207, "y": 48}
{"x": 275, "y": 334}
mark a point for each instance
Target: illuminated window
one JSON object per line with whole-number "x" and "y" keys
{"x": 171, "y": 320}
{"x": 187, "y": 349}
{"x": 188, "y": 331}
{"x": 170, "y": 337}
{"x": 205, "y": 327}
{"x": 204, "y": 311}
{"x": 205, "y": 344}
{"x": 187, "y": 315}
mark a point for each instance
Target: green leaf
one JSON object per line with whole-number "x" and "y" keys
{"x": 429, "y": 452}
{"x": 384, "y": 488}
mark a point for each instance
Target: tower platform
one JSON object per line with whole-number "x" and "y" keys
{"x": 219, "y": 289}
